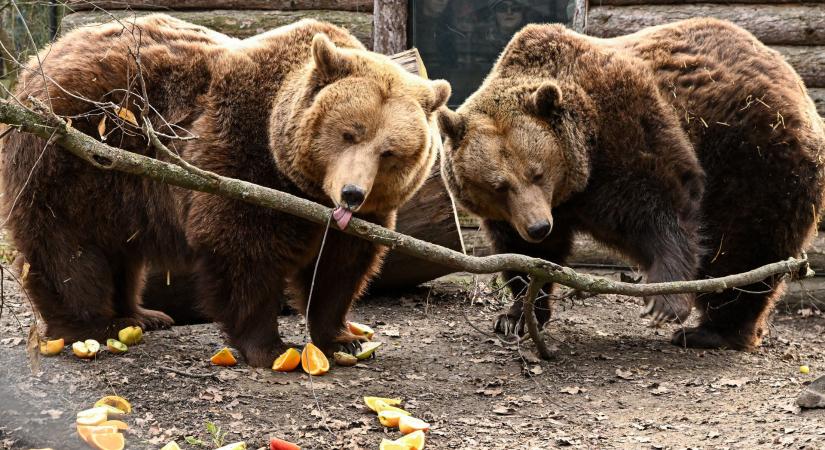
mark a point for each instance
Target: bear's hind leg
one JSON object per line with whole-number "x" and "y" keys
{"x": 129, "y": 281}
{"x": 242, "y": 295}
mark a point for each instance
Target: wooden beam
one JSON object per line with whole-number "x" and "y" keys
{"x": 239, "y": 23}
{"x": 390, "y": 25}
{"x": 792, "y": 24}
{"x": 808, "y": 61}
{"x": 283, "y": 5}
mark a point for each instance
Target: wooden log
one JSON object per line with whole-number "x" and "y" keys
{"x": 598, "y": 3}
{"x": 239, "y": 23}
{"x": 792, "y": 24}
{"x": 390, "y": 26}
{"x": 808, "y": 61}
{"x": 818, "y": 96}
{"x": 283, "y": 5}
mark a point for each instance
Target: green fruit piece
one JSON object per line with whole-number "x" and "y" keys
{"x": 367, "y": 349}
{"x": 116, "y": 346}
{"x": 344, "y": 359}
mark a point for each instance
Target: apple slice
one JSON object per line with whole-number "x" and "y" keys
{"x": 116, "y": 346}
{"x": 359, "y": 329}
{"x": 130, "y": 335}
{"x": 86, "y": 349}
{"x": 344, "y": 359}
{"x": 51, "y": 348}
{"x": 368, "y": 349}
{"x": 234, "y": 446}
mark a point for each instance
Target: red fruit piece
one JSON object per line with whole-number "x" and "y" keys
{"x": 280, "y": 444}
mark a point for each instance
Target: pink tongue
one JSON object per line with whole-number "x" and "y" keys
{"x": 342, "y": 217}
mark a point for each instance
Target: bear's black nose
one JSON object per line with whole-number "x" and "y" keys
{"x": 352, "y": 196}
{"x": 539, "y": 230}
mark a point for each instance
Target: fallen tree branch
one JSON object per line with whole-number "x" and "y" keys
{"x": 43, "y": 123}
{"x": 529, "y": 311}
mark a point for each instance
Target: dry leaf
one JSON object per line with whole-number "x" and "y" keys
{"x": 126, "y": 115}
{"x": 33, "y": 348}
{"x": 101, "y": 128}
{"x": 572, "y": 390}
{"x": 25, "y": 272}
{"x": 624, "y": 374}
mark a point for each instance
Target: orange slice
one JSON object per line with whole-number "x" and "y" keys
{"x": 51, "y": 348}
{"x": 387, "y": 444}
{"x": 409, "y": 424}
{"x": 108, "y": 441}
{"x": 118, "y": 424}
{"x": 224, "y": 357}
{"x": 314, "y": 361}
{"x": 414, "y": 440}
{"x": 359, "y": 329}
{"x": 86, "y": 431}
{"x": 390, "y": 418}
{"x": 288, "y": 361}
{"x": 115, "y": 402}
{"x": 376, "y": 403}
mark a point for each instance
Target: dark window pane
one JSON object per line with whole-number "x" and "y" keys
{"x": 460, "y": 39}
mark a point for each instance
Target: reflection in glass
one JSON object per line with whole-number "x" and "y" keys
{"x": 460, "y": 39}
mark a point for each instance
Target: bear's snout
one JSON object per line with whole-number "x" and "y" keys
{"x": 352, "y": 196}
{"x": 539, "y": 230}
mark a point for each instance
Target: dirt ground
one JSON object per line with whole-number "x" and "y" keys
{"x": 615, "y": 383}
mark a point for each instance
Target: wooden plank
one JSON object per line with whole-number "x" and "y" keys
{"x": 598, "y": 3}
{"x": 390, "y": 26}
{"x": 818, "y": 96}
{"x": 239, "y": 23}
{"x": 792, "y": 24}
{"x": 283, "y": 5}
{"x": 808, "y": 61}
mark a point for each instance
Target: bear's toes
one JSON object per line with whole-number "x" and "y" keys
{"x": 667, "y": 308}
{"x": 704, "y": 337}
{"x": 150, "y": 319}
{"x": 509, "y": 325}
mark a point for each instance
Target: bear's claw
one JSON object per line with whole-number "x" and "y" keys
{"x": 666, "y": 308}
{"x": 508, "y": 325}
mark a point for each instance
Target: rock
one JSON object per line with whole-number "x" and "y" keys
{"x": 814, "y": 395}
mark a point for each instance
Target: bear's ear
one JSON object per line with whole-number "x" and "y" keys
{"x": 546, "y": 101}
{"x": 442, "y": 91}
{"x": 452, "y": 124}
{"x": 330, "y": 62}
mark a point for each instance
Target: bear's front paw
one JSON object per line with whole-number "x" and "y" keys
{"x": 150, "y": 319}
{"x": 345, "y": 342}
{"x": 667, "y": 308}
{"x": 510, "y": 325}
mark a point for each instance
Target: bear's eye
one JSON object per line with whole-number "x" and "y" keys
{"x": 501, "y": 187}
{"x": 387, "y": 153}
{"x": 348, "y": 137}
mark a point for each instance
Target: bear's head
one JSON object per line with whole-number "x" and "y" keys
{"x": 515, "y": 149}
{"x": 357, "y": 129}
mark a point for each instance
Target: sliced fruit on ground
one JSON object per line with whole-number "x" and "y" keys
{"x": 387, "y": 444}
{"x": 171, "y": 446}
{"x": 130, "y": 335}
{"x": 86, "y": 431}
{"x": 234, "y": 446}
{"x": 280, "y": 444}
{"x": 409, "y": 424}
{"x": 414, "y": 440}
{"x": 390, "y": 418}
{"x": 116, "y": 402}
{"x": 119, "y": 424}
{"x": 313, "y": 360}
{"x": 116, "y": 346}
{"x": 224, "y": 357}
{"x": 86, "y": 349}
{"x": 288, "y": 361}
{"x": 373, "y": 402}
{"x": 92, "y": 416}
{"x": 368, "y": 349}
{"x": 108, "y": 441}
{"x": 344, "y": 359}
{"x": 359, "y": 329}
{"x": 51, "y": 348}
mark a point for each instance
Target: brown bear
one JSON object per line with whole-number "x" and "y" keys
{"x": 691, "y": 148}
{"x": 304, "y": 109}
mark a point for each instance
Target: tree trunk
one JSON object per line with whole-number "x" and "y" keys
{"x": 283, "y": 5}
{"x": 772, "y": 24}
{"x": 240, "y": 24}
{"x": 390, "y": 26}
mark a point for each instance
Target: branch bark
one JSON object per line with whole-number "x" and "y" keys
{"x": 41, "y": 122}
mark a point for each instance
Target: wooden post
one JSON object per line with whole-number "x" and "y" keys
{"x": 389, "y": 26}
{"x": 579, "y": 22}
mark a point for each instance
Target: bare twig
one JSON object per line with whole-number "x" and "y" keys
{"x": 43, "y": 123}
{"x": 529, "y": 310}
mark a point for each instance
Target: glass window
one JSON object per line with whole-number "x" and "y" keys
{"x": 459, "y": 40}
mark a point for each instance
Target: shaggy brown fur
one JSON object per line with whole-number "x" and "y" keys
{"x": 304, "y": 109}
{"x": 691, "y": 148}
